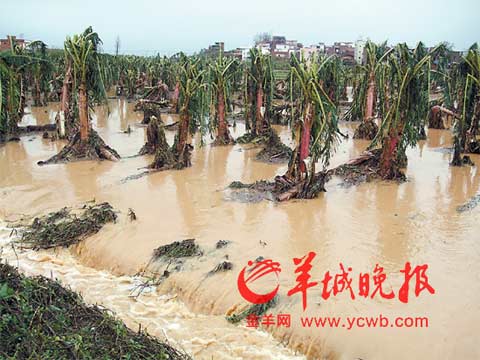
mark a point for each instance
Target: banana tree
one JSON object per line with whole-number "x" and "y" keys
{"x": 82, "y": 52}
{"x": 260, "y": 85}
{"x": 315, "y": 130}
{"x": 466, "y": 128}
{"x": 41, "y": 71}
{"x": 369, "y": 87}
{"x": 408, "y": 88}
{"x": 221, "y": 74}
{"x": 13, "y": 65}
{"x": 193, "y": 106}
{"x": 9, "y": 100}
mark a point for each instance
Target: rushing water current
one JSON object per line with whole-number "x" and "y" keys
{"x": 381, "y": 223}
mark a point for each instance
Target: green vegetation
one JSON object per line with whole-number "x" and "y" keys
{"x": 391, "y": 89}
{"x": 178, "y": 249}
{"x": 255, "y": 310}
{"x": 39, "y": 318}
{"x": 65, "y": 227}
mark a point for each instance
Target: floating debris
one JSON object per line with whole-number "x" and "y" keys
{"x": 222, "y": 267}
{"x": 221, "y": 244}
{"x": 178, "y": 249}
{"x": 65, "y": 228}
{"x": 366, "y": 130}
{"x": 469, "y": 205}
{"x": 132, "y": 215}
{"x": 257, "y": 309}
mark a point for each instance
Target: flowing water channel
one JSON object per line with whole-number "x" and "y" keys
{"x": 381, "y": 223}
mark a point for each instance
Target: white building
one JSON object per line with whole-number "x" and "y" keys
{"x": 359, "y": 48}
{"x": 245, "y": 52}
{"x": 264, "y": 47}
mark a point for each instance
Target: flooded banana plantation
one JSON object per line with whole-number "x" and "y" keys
{"x": 221, "y": 206}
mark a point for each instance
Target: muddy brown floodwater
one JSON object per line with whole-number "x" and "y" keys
{"x": 374, "y": 223}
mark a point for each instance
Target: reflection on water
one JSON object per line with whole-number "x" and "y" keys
{"x": 376, "y": 223}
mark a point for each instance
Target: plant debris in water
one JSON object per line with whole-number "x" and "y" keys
{"x": 364, "y": 168}
{"x": 65, "y": 228}
{"x": 222, "y": 267}
{"x": 251, "y": 193}
{"x": 366, "y": 130}
{"x": 178, "y": 249}
{"x": 274, "y": 151}
{"x": 281, "y": 189}
{"x": 469, "y": 205}
{"x": 40, "y": 319}
{"x": 221, "y": 244}
{"x": 257, "y": 309}
{"x": 94, "y": 148}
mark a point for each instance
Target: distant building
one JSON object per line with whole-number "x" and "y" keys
{"x": 309, "y": 52}
{"x": 214, "y": 50}
{"x": 245, "y": 52}
{"x": 279, "y": 47}
{"x": 264, "y": 46}
{"x": 344, "y": 50}
{"x": 241, "y": 53}
{"x": 5, "y": 44}
{"x": 359, "y": 50}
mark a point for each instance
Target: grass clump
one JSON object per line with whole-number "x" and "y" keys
{"x": 40, "y": 319}
{"x": 178, "y": 249}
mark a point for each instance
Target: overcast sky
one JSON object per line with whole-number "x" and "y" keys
{"x": 146, "y": 27}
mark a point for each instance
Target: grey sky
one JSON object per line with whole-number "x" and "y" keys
{"x": 148, "y": 26}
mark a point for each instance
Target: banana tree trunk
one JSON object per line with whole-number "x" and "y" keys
{"x": 258, "y": 113}
{"x": 70, "y": 126}
{"x": 65, "y": 90}
{"x": 183, "y": 131}
{"x": 23, "y": 98}
{"x": 83, "y": 111}
{"x": 37, "y": 98}
{"x": 297, "y": 166}
{"x": 388, "y": 156}
{"x": 370, "y": 98}
{"x": 176, "y": 95}
{"x": 223, "y": 133}
{"x": 305, "y": 136}
{"x": 183, "y": 148}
